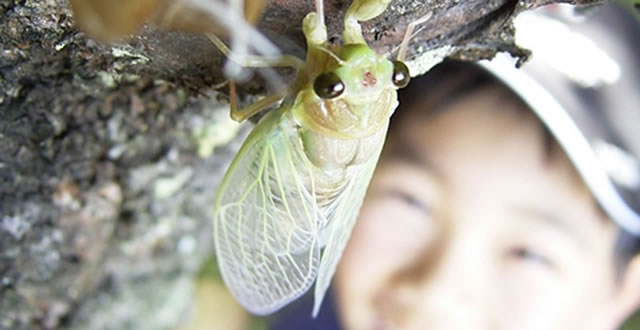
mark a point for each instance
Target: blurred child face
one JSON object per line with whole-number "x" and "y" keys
{"x": 471, "y": 222}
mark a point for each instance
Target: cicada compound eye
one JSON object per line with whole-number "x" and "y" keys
{"x": 401, "y": 75}
{"x": 328, "y": 85}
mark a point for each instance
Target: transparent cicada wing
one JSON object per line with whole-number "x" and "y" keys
{"x": 274, "y": 213}
{"x": 266, "y": 220}
{"x": 340, "y": 225}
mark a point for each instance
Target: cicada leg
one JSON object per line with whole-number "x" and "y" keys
{"x": 315, "y": 32}
{"x": 408, "y": 34}
{"x": 361, "y": 10}
{"x": 254, "y": 62}
{"x": 242, "y": 114}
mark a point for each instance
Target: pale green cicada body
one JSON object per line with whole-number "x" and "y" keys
{"x": 286, "y": 206}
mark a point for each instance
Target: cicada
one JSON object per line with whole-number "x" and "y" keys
{"x": 290, "y": 198}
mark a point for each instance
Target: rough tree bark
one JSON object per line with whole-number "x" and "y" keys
{"x": 106, "y": 173}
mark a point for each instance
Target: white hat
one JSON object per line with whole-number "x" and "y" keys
{"x": 583, "y": 82}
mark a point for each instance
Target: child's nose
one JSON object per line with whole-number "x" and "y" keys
{"x": 447, "y": 290}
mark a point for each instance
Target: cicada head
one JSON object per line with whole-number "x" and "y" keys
{"x": 355, "y": 96}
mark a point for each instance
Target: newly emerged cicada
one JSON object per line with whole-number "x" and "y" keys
{"x": 289, "y": 200}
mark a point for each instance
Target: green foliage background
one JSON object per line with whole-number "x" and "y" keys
{"x": 632, "y": 5}
{"x": 633, "y": 323}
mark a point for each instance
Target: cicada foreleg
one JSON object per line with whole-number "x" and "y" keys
{"x": 361, "y": 10}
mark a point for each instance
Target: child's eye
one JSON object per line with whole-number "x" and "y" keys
{"x": 409, "y": 199}
{"x": 529, "y": 255}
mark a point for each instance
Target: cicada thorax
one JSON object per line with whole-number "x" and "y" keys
{"x": 330, "y": 153}
{"x": 343, "y": 119}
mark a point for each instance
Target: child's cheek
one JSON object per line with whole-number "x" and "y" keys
{"x": 386, "y": 239}
{"x": 380, "y": 246}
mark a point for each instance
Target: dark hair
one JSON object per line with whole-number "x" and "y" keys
{"x": 627, "y": 247}
{"x": 452, "y": 80}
